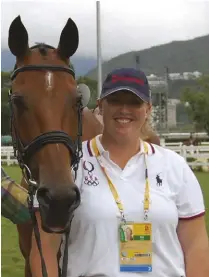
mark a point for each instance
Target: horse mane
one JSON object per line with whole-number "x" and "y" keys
{"x": 43, "y": 49}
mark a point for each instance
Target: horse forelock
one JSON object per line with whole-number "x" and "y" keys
{"x": 42, "y": 47}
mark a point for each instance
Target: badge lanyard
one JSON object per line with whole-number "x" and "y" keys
{"x": 146, "y": 201}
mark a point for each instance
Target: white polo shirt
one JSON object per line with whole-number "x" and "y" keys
{"x": 93, "y": 242}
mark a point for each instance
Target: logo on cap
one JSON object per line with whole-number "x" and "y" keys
{"x": 117, "y": 78}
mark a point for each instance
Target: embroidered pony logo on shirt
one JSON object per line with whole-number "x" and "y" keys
{"x": 159, "y": 180}
{"x": 90, "y": 179}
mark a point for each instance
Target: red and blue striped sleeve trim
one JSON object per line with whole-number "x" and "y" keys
{"x": 192, "y": 217}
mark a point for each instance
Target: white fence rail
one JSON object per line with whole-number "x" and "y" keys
{"x": 199, "y": 153}
{"x": 195, "y": 155}
{"x": 7, "y": 155}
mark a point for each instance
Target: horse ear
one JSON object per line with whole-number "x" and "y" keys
{"x": 69, "y": 39}
{"x": 18, "y": 38}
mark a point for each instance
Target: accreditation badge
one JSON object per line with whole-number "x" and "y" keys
{"x": 135, "y": 247}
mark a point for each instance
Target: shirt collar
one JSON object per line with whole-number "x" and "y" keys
{"x": 105, "y": 153}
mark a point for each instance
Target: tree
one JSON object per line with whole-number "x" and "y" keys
{"x": 197, "y": 101}
{"x": 71, "y": 66}
{"x": 4, "y": 95}
{"x": 5, "y": 109}
{"x": 5, "y": 119}
{"x": 5, "y": 79}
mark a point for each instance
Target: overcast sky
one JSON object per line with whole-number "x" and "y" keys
{"x": 125, "y": 25}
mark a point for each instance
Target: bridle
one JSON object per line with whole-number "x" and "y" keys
{"x": 24, "y": 153}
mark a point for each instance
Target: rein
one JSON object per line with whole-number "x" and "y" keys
{"x": 24, "y": 153}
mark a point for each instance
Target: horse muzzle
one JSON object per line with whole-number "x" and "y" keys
{"x": 57, "y": 212}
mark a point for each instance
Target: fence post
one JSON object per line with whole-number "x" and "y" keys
{"x": 184, "y": 151}
{"x": 191, "y": 149}
{"x": 162, "y": 142}
{"x": 8, "y": 158}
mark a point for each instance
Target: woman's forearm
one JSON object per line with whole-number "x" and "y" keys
{"x": 50, "y": 244}
{"x": 193, "y": 237}
{"x": 197, "y": 262}
{"x": 50, "y": 262}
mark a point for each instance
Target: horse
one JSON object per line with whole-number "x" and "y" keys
{"x": 91, "y": 127}
{"x": 47, "y": 113}
{"x": 191, "y": 141}
{"x": 46, "y": 125}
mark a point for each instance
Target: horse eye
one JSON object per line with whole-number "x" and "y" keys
{"x": 18, "y": 101}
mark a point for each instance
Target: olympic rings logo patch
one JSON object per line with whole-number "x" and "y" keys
{"x": 90, "y": 179}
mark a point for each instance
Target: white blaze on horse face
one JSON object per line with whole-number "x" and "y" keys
{"x": 58, "y": 147}
{"x": 49, "y": 80}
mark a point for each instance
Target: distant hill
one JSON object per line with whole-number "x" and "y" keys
{"x": 81, "y": 64}
{"x": 179, "y": 56}
{"x": 7, "y": 60}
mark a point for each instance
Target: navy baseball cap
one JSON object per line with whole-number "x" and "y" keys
{"x": 128, "y": 79}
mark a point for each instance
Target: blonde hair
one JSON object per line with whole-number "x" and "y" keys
{"x": 148, "y": 133}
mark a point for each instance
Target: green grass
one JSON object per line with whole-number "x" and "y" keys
{"x": 204, "y": 182}
{"x": 12, "y": 261}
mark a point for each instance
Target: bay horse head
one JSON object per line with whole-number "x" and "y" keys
{"x": 46, "y": 122}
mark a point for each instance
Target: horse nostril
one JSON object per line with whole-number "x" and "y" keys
{"x": 78, "y": 196}
{"x": 43, "y": 196}
{"x": 47, "y": 196}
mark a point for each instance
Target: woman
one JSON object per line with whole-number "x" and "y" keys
{"x": 124, "y": 180}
